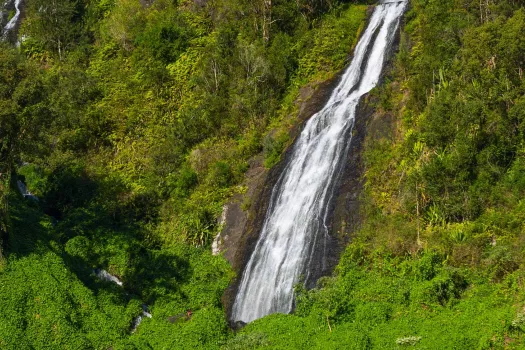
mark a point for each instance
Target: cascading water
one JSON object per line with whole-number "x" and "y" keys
{"x": 295, "y": 227}
{"x": 13, "y": 21}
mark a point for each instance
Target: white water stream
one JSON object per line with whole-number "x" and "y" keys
{"x": 295, "y": 225}
{"x": 12, "y": 23}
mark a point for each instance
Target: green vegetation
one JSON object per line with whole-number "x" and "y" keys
{"x": 134, "y": 124}
{"x": 438, "y": 261}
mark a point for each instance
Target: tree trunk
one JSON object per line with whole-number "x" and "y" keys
{"x": 417, "y": 217}
{"x": 267, "y": 20}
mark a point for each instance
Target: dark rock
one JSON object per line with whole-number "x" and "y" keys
{"x": 238, "y": 325}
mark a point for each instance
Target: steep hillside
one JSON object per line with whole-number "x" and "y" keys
{"x": 133, "y": 122}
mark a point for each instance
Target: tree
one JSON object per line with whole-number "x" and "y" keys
{"x": 52, "y": 23}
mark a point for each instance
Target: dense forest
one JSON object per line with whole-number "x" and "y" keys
{"x": 132, "y": 123}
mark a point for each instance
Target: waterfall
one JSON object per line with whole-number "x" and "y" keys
{"x": 295, "y": 227}
{"x": 14, "y": 21}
